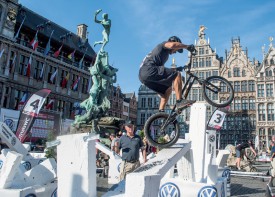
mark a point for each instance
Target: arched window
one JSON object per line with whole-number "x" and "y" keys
{"x": 270, "y": 73}
{"x": 261, "y": 112}
{"x": 252, "y": 119}
{"x": 272, "y": 61}
{"x": 244, "y": 103}
{"x": 270, "y": 112}
{"x": 244, "y": 86}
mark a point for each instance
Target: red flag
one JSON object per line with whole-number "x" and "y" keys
{"x": 29, "y": 112}
{"x": 56, "y": 54}
{"x": 22, "y": 101}
{"x": 28, "y": 73}
{"x": 50, "y": 104}
{"x": 65, "y": 80}
{"x": 34, "y": 42}
{"x": 75, "y": 84}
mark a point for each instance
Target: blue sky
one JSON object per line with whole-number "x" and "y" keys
{"x": 139, "y": 25}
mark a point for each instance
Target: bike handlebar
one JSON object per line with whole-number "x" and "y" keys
{"x": 187, "y": 67}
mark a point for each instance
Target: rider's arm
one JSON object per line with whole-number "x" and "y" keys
{"x": 95, "y": 19}
{"x": 253, "y": 150}
{"x": 175, "y": 45}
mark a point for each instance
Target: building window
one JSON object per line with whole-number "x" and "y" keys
{"x": 251, "y": 86}
{"x": 260, "y": 90}
{"x": 60, "y": 105}
{"x": 52, "y": 69}
{"x": 244, "y": 86}
{"x": 23, "y": 65}
{"x": 201, "y": 62}
{"x": 156, "y": 102}
{"x": 201, "y": 51}
{"x": 237, "y": 86}
{"x": 37, "y": 70}
{"x": 195, "y": 94}
{"x": 251, "y": 103}
{"x": 229, "y": 74}
{"x": 143, "y": 100}
{"x": 261, "y": 112}
{"x": 269, "y": 90}
{"x": 252, "y": 121}
{"x": 270, "y": 112}
{"x": 150, "y": 102}
{"x": 142, "y": 118}
{"x": 243, "y": 73}
{"x": 244, "y": 104}
{"x": 85, "y": 86}
{"x": 237, "y": 103}
{"x": 236, "y": 72}
{"x": 195, "y": 62}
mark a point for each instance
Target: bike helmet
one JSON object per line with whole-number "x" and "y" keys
{"x": 175, "y": 39}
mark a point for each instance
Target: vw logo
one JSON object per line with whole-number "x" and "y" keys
{"x": 226, "y": 173}
{"x": 169, "y": 190}
{"x": 222, "y": 190}
{"x": 208, "y": 191}
{"x": 211, "y": 138}
{"x": 13, "y": 141}
{"x": 9, "y": 123}
{"x": 27, "y": 165}
{"x": 54, "y": 194}
{"x": 31, "y": 195}
{"x": 1, "y": 164}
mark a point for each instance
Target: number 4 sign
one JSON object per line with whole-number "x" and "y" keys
{"x": 217, "y": 119}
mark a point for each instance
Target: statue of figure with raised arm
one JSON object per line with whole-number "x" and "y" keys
{"x": 106, "y": 23}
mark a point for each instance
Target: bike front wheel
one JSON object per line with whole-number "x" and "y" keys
{"x": 217, "y": 91}
{"x": 160, "y": 131}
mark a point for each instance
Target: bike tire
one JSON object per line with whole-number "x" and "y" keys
{"x": 209, "y": 83}
{"x": 150, "y": 123}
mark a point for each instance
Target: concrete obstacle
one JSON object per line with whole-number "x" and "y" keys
{"x": 22, "y": 174}
{"x": 199, "y": 171}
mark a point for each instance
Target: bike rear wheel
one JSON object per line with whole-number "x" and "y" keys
{"x": 159, "y": 130}
{"x": 215, "y": 85}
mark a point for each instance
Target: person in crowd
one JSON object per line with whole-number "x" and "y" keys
{"x": 114, "y": 145}
{"x": 272, "y": 163}
{"x": 241, "y": 147}
{"x": 130, "y": 144}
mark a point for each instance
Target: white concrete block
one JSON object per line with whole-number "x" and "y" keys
{"x": 11, "y": 140}
{"x": 138, "y": 185}
{"x": 222, "y": 158}
{"x": 9, "y": 169}
{"x": 76, "y": 166}
{"x": 114, "y": 171}
{"x": 185, "y": 167}
{"x": 17, "y": 192}
{"x": 212, "y": 174}
{"x": 117, "y": 190}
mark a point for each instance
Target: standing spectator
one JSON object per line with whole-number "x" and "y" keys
{"x": 114, "y": 145}
{"x": 272, "y": 163}
{"x": 130, "y": 144}
{"x": 241, "y": 147}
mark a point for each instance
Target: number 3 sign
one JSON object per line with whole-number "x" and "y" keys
{"x": 217, "y": 119}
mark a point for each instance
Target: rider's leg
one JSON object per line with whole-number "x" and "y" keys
{"x": 164, "y": 99}
{"x": 181, "y": 103}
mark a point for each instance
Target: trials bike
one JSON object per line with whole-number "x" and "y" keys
{"x": 162, "y": 129}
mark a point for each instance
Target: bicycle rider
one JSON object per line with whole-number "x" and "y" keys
{"x": 155, "y": 76}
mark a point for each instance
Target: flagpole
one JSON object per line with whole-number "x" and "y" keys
{"x": 17, "y": 34}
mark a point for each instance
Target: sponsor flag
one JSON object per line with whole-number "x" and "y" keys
{"x": 56, "y": 54}
{"x": 71, "y": 56}
{"x": 34, "y": 42}
{"x": 18, "y": 31}
{"x": 1, "y": 53}
{"x": 29, "y": 112}
{"x": 28, "y": 73}
{"x": 75, "y": 84}
{"x": 50, "y": 104}
{"x": 12, "y": 66}
{"x": 65, "y": 80}
{"x": 22, "y": 101}
{"x": 42, "y": 72}
{"x": 48, "y": 46}
{"x": 53, "y": 75}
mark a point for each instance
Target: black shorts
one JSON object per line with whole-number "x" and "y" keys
{"x": 159, "y": 79}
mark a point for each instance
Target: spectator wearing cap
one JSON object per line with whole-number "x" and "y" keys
{"x": 130, "y": 144}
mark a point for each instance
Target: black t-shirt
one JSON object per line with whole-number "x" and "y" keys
{"x": 130, "y": 147}
{"x": 156, "y": 58}
{"x": 243, "y": 145}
